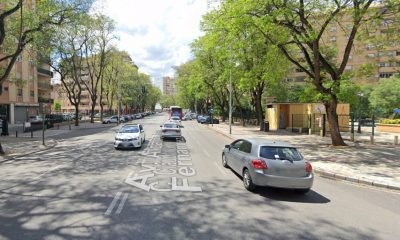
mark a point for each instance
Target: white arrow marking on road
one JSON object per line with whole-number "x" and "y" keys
{"x": 121, "y": 204}
{"x": 112, "y": 205}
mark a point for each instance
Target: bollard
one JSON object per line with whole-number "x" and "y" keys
{"x": 396, "y": 140}
{"x": 31, "y": 134}
{"x": 70, "y": 127}
{"x": 309, "y": 131}
{"x": 321, "y": 133}
{"x": 372, "y": 139}
{"x": 58, "y": 126}
{"x": 352, "y": 137}
{"x": 16, "y": 134}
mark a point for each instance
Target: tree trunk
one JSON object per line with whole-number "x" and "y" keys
{"x": 77, "y": 115}
{"x": 258, "y": 106}
{"x": 333, "y": 120}
{"x": 94, "y": 100}
{"x": 243, "y": 116}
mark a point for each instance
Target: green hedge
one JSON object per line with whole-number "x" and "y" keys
{"x": 390, "y": 121}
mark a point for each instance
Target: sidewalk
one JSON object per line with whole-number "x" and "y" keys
{"x": 28, "y": 143}
{"x": 359, "y": 162}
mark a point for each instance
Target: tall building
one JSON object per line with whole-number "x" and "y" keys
{"x": 169, "y": 86}
{"x": 27, "y": 86}
{"x": 382, "y": 59}
{"x": 85, "y": 105}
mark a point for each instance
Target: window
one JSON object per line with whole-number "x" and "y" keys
{"x": 19, "y": 59}
{"x": 282, "y": 153}
{"x": 348, "y": 67}
{"x": 381, "y": 54}
{"x": 19, "y": 92}
{"x": 398, "y": 53}
{"x": 371, "y": 55}
{"x": 332, "y": 39}
{"x": 385, "y": 75}
{"x": 5, "y": 89}
{"x": 32, "y": 93}
{"x": 245, "y": 147}
{"x": 332, "y": 29}
{"x": 237, "y": 145}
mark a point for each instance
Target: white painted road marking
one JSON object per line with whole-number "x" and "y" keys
{"x": 52, "y": 169}
{"x": 206, "y": 153}
{"x": 121, "y": 204}
{"x": 112, "y": 205}
{"x": 219, "y": 168}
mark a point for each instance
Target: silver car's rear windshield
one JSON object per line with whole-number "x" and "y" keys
{"x": 170, "y": 126}
{"x": 282, "y": 153}
{"x": 129, "y": 130}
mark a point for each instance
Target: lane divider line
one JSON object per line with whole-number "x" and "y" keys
{"x": 220, "y": 169}
{"x": 52, "y": 169}
{"x": 113, "y": 203}
{"x": 121, "y": 204}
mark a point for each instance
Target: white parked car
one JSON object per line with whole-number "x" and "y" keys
{"x": 130, "y": 136}
{"x": 114, "y": 119}
{"x": 35, "y": 119}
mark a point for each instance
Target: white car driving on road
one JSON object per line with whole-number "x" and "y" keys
{"x": 130, "y": 136}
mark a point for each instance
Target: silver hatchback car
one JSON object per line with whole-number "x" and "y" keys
{"x": 263, "y": 162}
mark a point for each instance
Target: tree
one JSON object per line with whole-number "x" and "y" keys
{"x": 385, "y": 96}
{"x": 67, "y": 59}
{"x": 21, "y": 26}
{"x": 301, "y": 26}
{"x": 98, "y": 31}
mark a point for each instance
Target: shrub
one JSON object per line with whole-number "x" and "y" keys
{"x": 390, "y": 121}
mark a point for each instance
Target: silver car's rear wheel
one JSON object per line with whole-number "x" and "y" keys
{"x": 224, "y": 161}
{"x": 247, "y": 182}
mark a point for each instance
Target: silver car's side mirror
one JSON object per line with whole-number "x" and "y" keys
{"x": 228, "y": 147}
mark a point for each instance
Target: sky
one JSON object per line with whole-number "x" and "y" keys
{"x": 156, "y": 33}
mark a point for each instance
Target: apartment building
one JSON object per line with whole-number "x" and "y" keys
{"x": 85, "y": 107}
{"x": 378, "y": 59}
{"x": 169, "y": 86}
{"x": 27, "y": 87}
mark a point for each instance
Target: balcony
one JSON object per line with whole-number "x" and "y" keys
{"x": 44, "y": 72}
{"x": 45, "y": 100}
{"x": 44, "y": 86}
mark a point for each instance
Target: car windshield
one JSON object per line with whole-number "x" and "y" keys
{"x": 282, "y": 153}
{"x": 133, "y": 129}
{"x": 168, "y": 125}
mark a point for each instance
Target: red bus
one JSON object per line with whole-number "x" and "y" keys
{"x": 175, "y": 111}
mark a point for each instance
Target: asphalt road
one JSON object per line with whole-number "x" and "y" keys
{"x": 84, "y": 189}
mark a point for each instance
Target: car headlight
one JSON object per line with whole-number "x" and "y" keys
{"x": 136, "y": 138}
{"x": 118, "y": 139}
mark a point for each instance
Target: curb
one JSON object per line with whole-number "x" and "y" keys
{"x": 331, "y": 175}
{"x": 9, "y": 158}
{"x": 361, "y": 181}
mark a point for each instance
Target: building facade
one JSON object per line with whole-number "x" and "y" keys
{"x": 169, "y": 86}
{"x": 370, "y": 59}
{"x": 28, "y": 85}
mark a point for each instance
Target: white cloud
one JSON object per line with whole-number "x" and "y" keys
{"x": 156, "y": 33}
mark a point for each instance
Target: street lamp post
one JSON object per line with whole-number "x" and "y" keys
{"x": 230, "y": 100}
{"x": 359, "y": 112}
